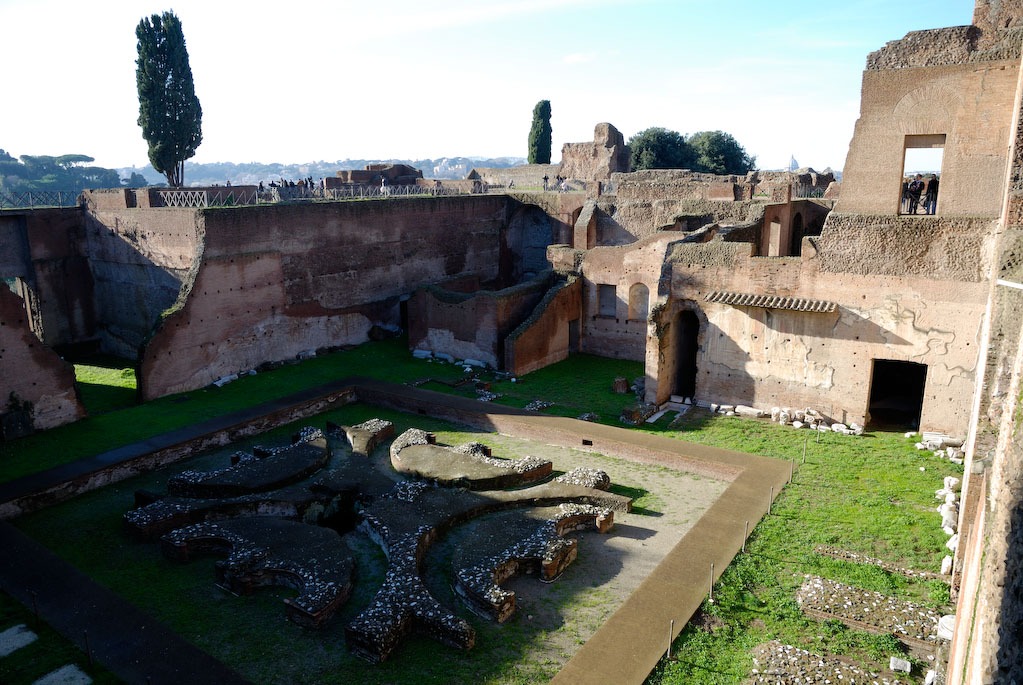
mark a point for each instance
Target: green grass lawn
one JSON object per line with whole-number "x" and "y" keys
{"x": 105, "y": 383}
{"x": 48, "y": 653}
{"x": 581, "y": 383}
{"x": 863, "y": 494}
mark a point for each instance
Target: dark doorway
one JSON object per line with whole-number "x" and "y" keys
{"x": 573, "y": 335}
{"x": 796, "y": 246}
{"x": 897, "y": 394}
{"x": 688, "y": 327}
{"x": 403, "y": 316}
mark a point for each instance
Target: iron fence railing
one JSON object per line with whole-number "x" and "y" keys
{"x": 38, "y": 198}
{"x": 220, "y": 197}
{"x": 800, "y": 192}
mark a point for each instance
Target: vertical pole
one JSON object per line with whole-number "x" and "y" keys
{"x": 792, "y": 468}
{"x": 671, "y": 631}
{"x": 712, "y": 582}
{"x": 35, "y": 607}
{"x": 745, "y": 534}
{"x": 804, "y": 449}
{"x": 818, "y": 436}
{"x": 770, "y": 501}
{"x": 88, "y": 649}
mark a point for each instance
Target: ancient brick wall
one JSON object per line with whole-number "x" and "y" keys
{"x": 597, "y": 160}
{"x": 275, "y": 281}
{"x": 138, "y": 259}
{"x": 970, "y": 104}
{"x": 544, "y": 337}
{"x": 471, "y": 325}
{"x": 33, "y": 371}
{"x": 522, "y": 176}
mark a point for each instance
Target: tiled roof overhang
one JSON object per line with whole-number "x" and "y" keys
{"x": 795, "y": 304}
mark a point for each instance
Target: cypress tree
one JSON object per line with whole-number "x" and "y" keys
{"x": 169, "y": 111}
{"x": 540, "y": 134}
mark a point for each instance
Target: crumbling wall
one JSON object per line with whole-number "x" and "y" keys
{"x": 596, "y": 161}
{"x": 138, "y": 259}
{"x": 522, "y": 176}
{"x": 471, "y": 325}
{"x": 276, "y": 281}
{"x": 31, "y": 371}
{"x": 544, "y": 337}
{"x": 970, "y": 104}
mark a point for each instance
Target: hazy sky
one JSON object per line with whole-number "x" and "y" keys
{"x": 304, "y": 81}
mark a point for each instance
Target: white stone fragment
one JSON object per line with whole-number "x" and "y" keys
{"x": 920, "y": 446}
{"x": 65, "y": 675}
{"x": 775, "y": 412}
{"x": 474, "y": 362}
{"x": 797, "y": 424}
{"x": 224, "y": 380}
{"x": 948, "y": 530}
{"x": 897, "y": 664}
{"x": 951, "y": 483}
{"x": 838, "y": 427}
{"x": 931, "y": 676}
{"x": 443, "y": 356}
{"x": 799, "y": 415}
{"x": 909, "y": 435}
{"x": 422, "y": 354}
{"x": 15, "y": 638}
{"x": 946, "y": 565}
{"x": 946, "y": 626}
{"x": 743, "y": 410}
{"x": 956, "y": 461}
{"x": 953, "y": 542}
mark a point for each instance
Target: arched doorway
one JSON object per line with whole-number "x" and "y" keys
{"x": 688, "y": 326}
{"x": 796, "y": 247}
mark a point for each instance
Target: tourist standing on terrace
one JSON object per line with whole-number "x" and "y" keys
{"x": 915, "y": 188}
{"x": 931, "y": 196}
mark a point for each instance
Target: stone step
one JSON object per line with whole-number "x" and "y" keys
{"x": 654, "y": 417}
{"x": 65, "y": 675}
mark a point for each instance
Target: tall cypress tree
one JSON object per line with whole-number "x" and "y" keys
{"x": 540, "y": 134}
{"x": 169, "y": 111}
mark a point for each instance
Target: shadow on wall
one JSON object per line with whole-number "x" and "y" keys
{"x": 524, "y": 245}
{"x": 1009, "y": 657}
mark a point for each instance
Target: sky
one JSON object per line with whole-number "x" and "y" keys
{"x": 305, "y": 81}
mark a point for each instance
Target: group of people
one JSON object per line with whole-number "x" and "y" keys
{"x": 912, "y": 190}
{"x": 560, "y": 183}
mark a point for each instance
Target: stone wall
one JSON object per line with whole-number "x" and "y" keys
{"x": 545, "y": 336}
{"x": 33, "y": 372}
{"x": 471, "y": 325}
{"x": 523, "y": 176}
{"x": 138, "y": 259}
{"x": 596, "y": 161}
{"x": 970, "y": 104}
{"x": 277, "y": 281}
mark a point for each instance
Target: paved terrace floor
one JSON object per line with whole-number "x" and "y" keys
{"x": 623, "y": 650}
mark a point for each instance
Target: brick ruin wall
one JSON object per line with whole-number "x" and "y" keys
{"x": 523, "y": 176}
{"x": 277, "y": 281}
{"x": 471, "y": 325}
{"x": 32, "y": 371}
{"x": 545, "y": 337}
{"x": 138, "y": 260}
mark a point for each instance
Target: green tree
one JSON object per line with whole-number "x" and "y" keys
{"x": 169, "y": 111}
{"x": 716, "y": 152}
{"x": 136, "y": 180}
{"x": 659, "y": 148}
{"x": 540, "y": 134}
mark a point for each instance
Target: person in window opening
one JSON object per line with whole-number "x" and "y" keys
{"x": 916, "y": 187}
{"x": 931, "y": 195}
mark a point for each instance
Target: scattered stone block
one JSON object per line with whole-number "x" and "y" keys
{"x": 444, "y": 357}
{"x": 586, "y": 477}
{"x": 775, "y": 413}
{"x": 951, "y": 483}
{"x": 224, "y": 380}
{"x": 931, "y": 676}
{"x": 750, "y": 412}
{"x": 422, "y": 354}
{"x": 620, "y": 385}
{"x": 14, "y": 638}
{"x": 797, "y": 424}
{"x": 946, "y": 626}
{"x": 902, "y": 665}
{"x": 65, "y": 675}
{"x": 839, "y": 428}
{"x": 953, "y": 542}
{"x": 474, "y": 362}
{"x": 946, "y": 565}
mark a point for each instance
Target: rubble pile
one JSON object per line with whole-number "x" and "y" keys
{"x": 775, "y": 662}
{"x": 879, "y": 611}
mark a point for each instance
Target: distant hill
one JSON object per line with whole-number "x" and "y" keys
{"x": 251, "y": 173}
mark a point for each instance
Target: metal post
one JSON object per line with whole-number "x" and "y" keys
{"x": 818, "y": 436}
{"x": 671, "y": 631}
{"x": 804, "y": 449}
{"x": 35, "y": 606}
{"x": 745, "y": 534}
{"x": 712, "y": 582}
{"x": 792, "y": 468}
{"x": 88, "y": 649}
{"x": 770, "y": 501}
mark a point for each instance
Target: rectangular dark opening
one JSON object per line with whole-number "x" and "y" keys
{"x": 587, "y": 443}
{"x": 607, "y": 301}
{"x": 421, "y": 411}
{"x": 896, "y": 394}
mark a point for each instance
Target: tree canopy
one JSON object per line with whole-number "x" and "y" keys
{"x": 717, "y": 152}
{"x": 45, "y": 172}
{"x": 169, "y": 111}
{"x": 540, "y": 134}
{"x": 659, "y": 148}
{"x": 711, "y": 152}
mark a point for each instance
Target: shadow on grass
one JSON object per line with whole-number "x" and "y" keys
{"x": 99, "y": 398}
{"x": 635, "y": 494}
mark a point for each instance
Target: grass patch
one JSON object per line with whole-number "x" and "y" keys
{"x": 105, "y": 383}
{"x": 581, "y": 383}
{"x": 864, "y": 494}
{"x": 48, "y": 653}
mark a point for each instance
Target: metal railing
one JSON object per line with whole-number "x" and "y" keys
{"x": 226, "y": 197}
{"x": 38, "y": 198}
{"x": 807, "y": 192}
